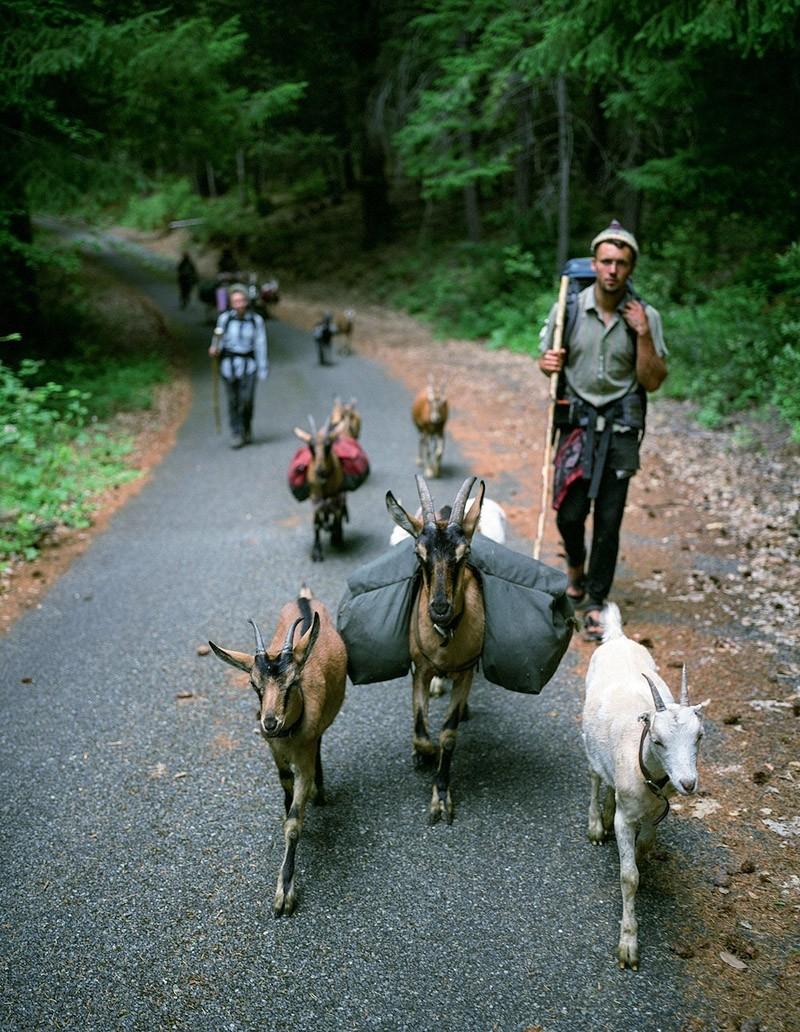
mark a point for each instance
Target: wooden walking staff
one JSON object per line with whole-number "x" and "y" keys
{"x": 558, "y": 335}
{"x": 215, "y": 381}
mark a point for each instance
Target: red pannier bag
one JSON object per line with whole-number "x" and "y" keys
{"x": 298, "y": 469}
{"x": 355, "y": 466}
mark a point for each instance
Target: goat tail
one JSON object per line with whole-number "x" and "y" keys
{"x": 612, "y": 622}
{"x": 304, "y": 606}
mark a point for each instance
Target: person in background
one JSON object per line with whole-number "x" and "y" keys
{"x": 187, "y": 278}
{"x": 240, "y": 345}
{"x": 613, "y": 356}
{"x": 324, "y": 332}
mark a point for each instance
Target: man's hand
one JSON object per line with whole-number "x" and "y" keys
{"x": 552, "y": 361}
{"x": 213, "y": 350}
{"x": 635, "y": 316}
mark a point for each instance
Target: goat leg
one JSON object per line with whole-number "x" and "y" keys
{"x": 285, "y": 892}
{"x": 441, "y": 800}
{"x": 628, "y": 949}
{"x": 424, "y": 749}
{"x": 287, "y": 784}
{"x": 597, "y": 831}
{"x": 316, "y": 550}
{"x": 319, "y": 796}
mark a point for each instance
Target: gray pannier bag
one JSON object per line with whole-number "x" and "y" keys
{"x": 529, "y": 618}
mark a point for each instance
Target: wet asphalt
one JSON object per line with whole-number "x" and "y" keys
{"x": 141, "y": 831}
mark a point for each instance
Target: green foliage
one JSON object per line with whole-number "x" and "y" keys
{"x": 52, "y": 462}
{"x": 735, "y": 351}
{"x": 491, "y": 292}
{"x": 175, "y": 199}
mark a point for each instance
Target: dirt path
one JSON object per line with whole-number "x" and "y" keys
{"x": 709, "y": 574}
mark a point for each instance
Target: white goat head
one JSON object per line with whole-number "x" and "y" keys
{"x": 675, "y": 731}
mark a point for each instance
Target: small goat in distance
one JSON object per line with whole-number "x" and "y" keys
{"x": 429, "y": 412}
{"x": 347, "y": 416}
{"x": 300, "y": 687}
{"x": 643, "y": 747}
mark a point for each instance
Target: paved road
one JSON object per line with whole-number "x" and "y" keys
{"x": 141, "y": 834}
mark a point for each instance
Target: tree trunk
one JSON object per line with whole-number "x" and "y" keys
{"x": 212, "y": 184}
{"x": 472, "y": 211}
{"x": 564, "y": 158}
{"x": 240, "y": 176}
{"x": 527, "y": 146}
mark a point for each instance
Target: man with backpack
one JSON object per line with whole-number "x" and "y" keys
{"x": 612, "y": 354}
{"x": 240, "y": 347}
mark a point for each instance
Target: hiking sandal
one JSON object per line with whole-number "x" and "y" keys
{"x": 592, "y": 625}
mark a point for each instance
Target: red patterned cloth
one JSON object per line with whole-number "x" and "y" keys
{"x": 568, "y": 466}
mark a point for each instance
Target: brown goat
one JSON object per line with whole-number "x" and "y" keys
{"x": 429, "y": 413}
{"x": 343, "y": 321}
{"x": 447, "y": 624}
{"x": 326, "y": 484}
{"x": 300, "y": 687}
{"x": 347, "y": 415}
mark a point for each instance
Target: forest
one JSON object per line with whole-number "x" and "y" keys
{"x": 482, "y": 141}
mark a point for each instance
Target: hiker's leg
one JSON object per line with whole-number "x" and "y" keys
{"x": 609, "y": 508}
{"x": 571, "y": 520}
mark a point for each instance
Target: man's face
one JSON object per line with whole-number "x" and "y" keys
{"x": 612, "y": 266}
{"x": 238, "y": 302}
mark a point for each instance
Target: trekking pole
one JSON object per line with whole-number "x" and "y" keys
{"x": 215, "y": 382}
{"x": 558, "y": 335}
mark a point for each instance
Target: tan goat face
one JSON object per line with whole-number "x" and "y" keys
{"x": 276, "y": 678}
{"x": 442, "y": 547}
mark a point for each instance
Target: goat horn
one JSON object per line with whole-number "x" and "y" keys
{"x": 684, "y": 687}
{"x": 260, "y": 649}
{"x": 457, "y": 514}
{"x": 313, "y": 425}
{"x": 656, "y": 697}
{"x": 287, "y": 645}
{"x": 428, "y": 510}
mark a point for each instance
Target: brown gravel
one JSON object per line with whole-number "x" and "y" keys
{"x": 709, "y": 574}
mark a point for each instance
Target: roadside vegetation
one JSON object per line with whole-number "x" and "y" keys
{"x": 59, "y": 450}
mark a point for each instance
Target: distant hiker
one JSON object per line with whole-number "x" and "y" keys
{"x": 323, "y": 335}
{"x": 240, "y": 345}
{"x": 226, "y": 263}
{"x": 613, "y": 353}
{"x": 187, "y": 278}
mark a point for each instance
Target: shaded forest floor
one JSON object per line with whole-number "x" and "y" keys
{"x": 709, "y": 574}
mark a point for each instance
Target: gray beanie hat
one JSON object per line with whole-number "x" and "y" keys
{"x": 614, "y": 233}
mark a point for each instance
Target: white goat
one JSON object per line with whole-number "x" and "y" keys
{"x": 643, "y": 747}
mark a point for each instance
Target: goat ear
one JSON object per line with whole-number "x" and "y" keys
{"x": 473, "y": 514}
{"x": 700, "y": 705}
{"x": 302, "y": 649}
{"x": 240, "y": 660}
{"x": 410, "y": 524}
{"x": 304, "y": 435}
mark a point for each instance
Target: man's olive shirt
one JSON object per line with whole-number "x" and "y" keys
{"x": 601, "y": 363}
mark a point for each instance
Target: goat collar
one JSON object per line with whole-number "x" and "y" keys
{"x": 656, "y": 787}
{"x": 447, "y": 636}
